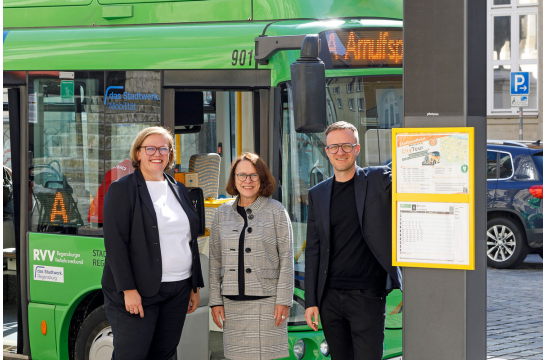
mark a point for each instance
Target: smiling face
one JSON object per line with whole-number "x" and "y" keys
{"x": 152, "y": 166}
{"x": 247, "y": 189}
{"x": 343, "y": 163}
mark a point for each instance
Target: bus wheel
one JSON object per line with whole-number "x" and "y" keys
{"x": 95, "y": 340}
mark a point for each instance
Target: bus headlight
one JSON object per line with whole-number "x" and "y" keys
{"x": 299, "y": 349}
{"x": 324, "y": 348}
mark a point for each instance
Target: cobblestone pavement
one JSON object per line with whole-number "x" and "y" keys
{"x": 515, "y": 311}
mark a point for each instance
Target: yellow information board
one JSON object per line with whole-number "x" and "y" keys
{"x": 433, "y": 198}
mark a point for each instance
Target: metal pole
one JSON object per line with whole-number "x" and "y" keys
{"x": 520, "y": 123}
{"x": 239, "y": 123}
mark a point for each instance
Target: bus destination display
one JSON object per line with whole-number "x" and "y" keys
{"x": 57, "y": 208}
{"x": 361, "y": 48}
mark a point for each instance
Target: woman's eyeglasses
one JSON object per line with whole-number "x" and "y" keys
{"x": 334, "y": 148}
{"x": 151, "y": 150}
{"x": 243, "y": 176}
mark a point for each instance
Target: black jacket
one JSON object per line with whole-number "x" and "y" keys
{"x": 131, "y": 236}
{"x": 374, "y": 203}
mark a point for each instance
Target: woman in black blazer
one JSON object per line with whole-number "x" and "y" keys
{"x": 152, "y": 273}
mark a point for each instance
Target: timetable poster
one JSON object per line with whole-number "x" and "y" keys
{"x": 433, "y": 233}
{"x": 432, "y": 163}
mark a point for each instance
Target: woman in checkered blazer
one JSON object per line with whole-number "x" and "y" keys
{"x": 251, "y": 265}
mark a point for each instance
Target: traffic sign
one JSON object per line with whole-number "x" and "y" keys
{"x": 520, "y": 83}
{"x": 519, "y": 100}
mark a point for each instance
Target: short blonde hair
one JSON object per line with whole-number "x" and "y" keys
{"x": 341, "y": 125}
{"x": 142, "y": 135}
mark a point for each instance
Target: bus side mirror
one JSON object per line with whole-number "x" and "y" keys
{"x": 308, "y": 84}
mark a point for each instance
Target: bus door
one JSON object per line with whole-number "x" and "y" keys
{"x": 216, "y": 117}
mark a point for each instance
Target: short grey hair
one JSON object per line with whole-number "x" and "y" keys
{"x": 341, "y": 125}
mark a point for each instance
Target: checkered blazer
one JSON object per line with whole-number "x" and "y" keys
{"x": 268, "y": 252}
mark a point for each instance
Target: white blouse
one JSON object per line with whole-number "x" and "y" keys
{"x": 174, "y": 232}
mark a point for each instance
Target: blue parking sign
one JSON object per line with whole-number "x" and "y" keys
{"x": 520, "y": 83}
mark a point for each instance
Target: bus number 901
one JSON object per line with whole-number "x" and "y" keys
{"x": 241, "y": 56}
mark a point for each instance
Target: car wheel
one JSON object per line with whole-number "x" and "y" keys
{"x": 95, "y": 340}
{"x": 506, "y": 244}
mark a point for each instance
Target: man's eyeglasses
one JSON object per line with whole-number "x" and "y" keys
{"x": 243, "y": 176}
{"x": 151, "y": 150}
{"x": 334, "y": 148}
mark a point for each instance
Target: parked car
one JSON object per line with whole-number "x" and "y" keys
{"x": 514, "y": 201}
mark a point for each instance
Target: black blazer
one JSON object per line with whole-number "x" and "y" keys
{"x": 373, "y": 200}
{"x": 131, "y": 236}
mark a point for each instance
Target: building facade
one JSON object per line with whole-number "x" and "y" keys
{"x": 514, "y": 43}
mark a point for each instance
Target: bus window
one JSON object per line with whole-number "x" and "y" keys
{"x": 81, "y": 128}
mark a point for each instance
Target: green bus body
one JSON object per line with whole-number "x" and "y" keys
{"x": 87, "y": 13}
{"x": 56, "y": 302}
{"x": 107, "y": 35}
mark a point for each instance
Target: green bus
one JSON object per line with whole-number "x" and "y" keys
{"x": 82, "y": 77}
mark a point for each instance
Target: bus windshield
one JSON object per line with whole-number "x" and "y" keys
{"x": 373, "y": 104}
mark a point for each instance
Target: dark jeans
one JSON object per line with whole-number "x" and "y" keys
{"x": 156, "y": 336}
{"x": 353, "y": 323}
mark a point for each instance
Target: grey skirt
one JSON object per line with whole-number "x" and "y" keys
{"x": 250, "y": 333}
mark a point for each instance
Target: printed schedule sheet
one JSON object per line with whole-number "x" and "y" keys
{"x": 433, "y": 232}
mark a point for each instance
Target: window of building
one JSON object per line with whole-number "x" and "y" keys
{"x": 351, "y": 105}
{"x": 350, "y": 87}
{"x": 512, "y": 40}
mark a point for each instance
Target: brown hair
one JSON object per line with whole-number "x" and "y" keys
{"x": 142, "y": 135}
{"x": 268, "y": 183}
{"x": 341, "y": 125}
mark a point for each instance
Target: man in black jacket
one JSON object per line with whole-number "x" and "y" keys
{"x": 349, "y": 251}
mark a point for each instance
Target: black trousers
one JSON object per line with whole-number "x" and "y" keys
{"x": 353, "y": 323}
{"x": 156, "y": 336}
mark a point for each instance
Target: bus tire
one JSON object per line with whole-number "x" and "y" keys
{"x": 95, "y": 337}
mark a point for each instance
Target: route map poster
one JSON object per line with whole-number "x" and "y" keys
{"x": 432, "y": 163}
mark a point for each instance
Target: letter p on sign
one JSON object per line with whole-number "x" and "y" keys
{"x": 520, "y": 84}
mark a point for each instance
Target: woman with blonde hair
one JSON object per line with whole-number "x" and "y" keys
{"x": 152, "y": 273}
{"x": 251, "y": 265}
